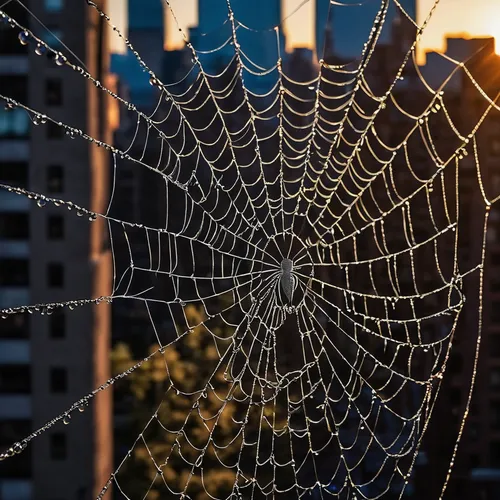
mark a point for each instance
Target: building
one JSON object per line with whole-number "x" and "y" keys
{"x": 351, "y": 23}
{"x": 323, "y": 28}
{"x": 146, "y": 34}
{"x": 476, "y": 470}
{"x": 477, "y": 466}
{"x": 50, "y": 255}
{"x": 479, "y": 459}
{"x": 259, "y": 45}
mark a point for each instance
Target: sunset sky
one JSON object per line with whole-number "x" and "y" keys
{"x": 475, "y": 17}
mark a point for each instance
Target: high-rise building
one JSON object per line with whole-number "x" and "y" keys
{"x": 323, "y": 28}
{"x": 47, "y": 361}
{"x": 476, "y": 470}
{"x": 146, "y": 34}
{"x": 255, "y": 23}
{"x": 351, "y": 23}
{"x": 477, "y": 467}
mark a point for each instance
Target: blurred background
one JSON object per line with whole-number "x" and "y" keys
{"x": 49, "y": 360}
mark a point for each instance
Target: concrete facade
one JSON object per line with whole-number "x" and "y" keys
{"x": 66, "y": 354}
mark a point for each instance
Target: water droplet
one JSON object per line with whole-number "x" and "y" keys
{"x": 37, "y": 120}
{"x": 9, "y": 106}
{"x": 67, "y": 419}
{"x": 19, "y": 447}
{"x": 60, "y": 59}
{"x": 40, "y": 49}
{"x": 24, "y": 37}
{"x": 70, "y": 134}
{"x": 79, "y": 213}
{"x": 92, "y": 217}
{"x": 153, "y": 81}
{"x": 41, "y": 202}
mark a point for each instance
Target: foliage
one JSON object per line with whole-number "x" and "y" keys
{"x": 196, "y": 421}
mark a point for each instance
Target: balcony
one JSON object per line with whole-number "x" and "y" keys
{"x": 15, "y": 352}
{"x": 15, "y": 407}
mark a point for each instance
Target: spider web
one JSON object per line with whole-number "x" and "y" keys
{"x": 320, "y": 248}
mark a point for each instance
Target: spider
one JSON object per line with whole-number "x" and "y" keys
{"x": 288, "y": 280}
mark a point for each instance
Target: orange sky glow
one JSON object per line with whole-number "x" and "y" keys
{"x": 462, "y": 17}
{"x": 472, "y": 17}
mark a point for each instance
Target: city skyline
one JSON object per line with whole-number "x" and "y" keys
{"x": 451, "y": 17}
{"x": 220, "y": 281}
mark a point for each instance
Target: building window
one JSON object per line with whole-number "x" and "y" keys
{"x": 58, "y": 447}
{"x": 12, "y": 431}
{"x": 495, "y": 376}
{"x": 14, "y": 226}
{"x": 54, "y": 37}
{"x": 58, "y": 380}
{"x": 495, "y": 415}
{"x": 15, "y": 379}
{"x": 495, "y": 311}
{"x": 14, "y": 173}
{"x": 55, "y": 179}
{"x": 57, "y": 324}
{"x": 9, "y": 43}
{"x": 54, "y": 131}
{"x": 14, "y": 272}
{"x": 14, "y": 123}
{"x": 15, "y": 326}
{"x": 53, "y": 5}
{"x": 55, "y": 227}
{"x": 53, "y": 92}
{"x": 55, "y": 275}
{"x": 495, "y": 454}
{"x": 15, "y": 86}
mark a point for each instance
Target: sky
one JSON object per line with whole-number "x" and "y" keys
{"x": 475, "y": 17}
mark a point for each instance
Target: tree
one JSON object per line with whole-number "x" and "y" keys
{"x": 196, "y": 421}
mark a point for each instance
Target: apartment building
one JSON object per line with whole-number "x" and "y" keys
{"x": 50, "y": 255}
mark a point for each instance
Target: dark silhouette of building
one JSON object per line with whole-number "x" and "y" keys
{"x": 47, "y": 361}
